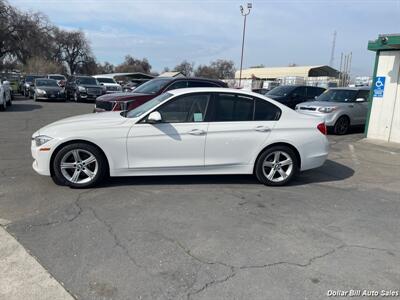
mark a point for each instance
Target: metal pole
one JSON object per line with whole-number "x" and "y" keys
{"x": 244, "y": 14}
{"x": 241, "y": 56}
{"x": 340, "y": 69}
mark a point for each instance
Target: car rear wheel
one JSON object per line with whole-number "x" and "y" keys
{"x": 79, "y": 165}
{"x": 276, "y": 166}
{"x": 342, "y": 125}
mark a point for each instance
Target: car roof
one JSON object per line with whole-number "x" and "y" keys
{"x": 83, "y": 76}
{"x": 178, "y": 92}
{"x": 189, "y": 78}
{"x": 357, "y": 88}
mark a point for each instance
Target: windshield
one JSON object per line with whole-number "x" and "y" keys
{"x": 57, "y": 77}
{"x": 106, "y": 80}
{"x": 32, "y": 78}
{"x": 86, "y": 80}
{"x": 281, "y": 91}
{"x": 152, "y": 86}
{"x": 140, "y": 110}
{"x": 337, "y": 95}
{"x": 46, "y": 82}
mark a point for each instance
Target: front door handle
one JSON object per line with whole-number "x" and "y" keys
{"x": 196, "y": 132}
{"x": 262, "y": 128}
{"x": 351, "y": 105}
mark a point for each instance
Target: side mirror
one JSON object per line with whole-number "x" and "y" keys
{"x": 154, "y": 117}
{"x": 360, "y": 100}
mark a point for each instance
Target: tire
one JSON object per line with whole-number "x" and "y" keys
{"x": 66, "y": 96}
{"x": 35, "y": 97}
{"x": 9, "y": 103}
{"x": 341, "y": 126}
{"x": 30, "y": 95}
{"x": 75, "y": 172}
{"x": 269, "y": 169}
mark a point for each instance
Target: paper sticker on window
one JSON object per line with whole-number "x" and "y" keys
{"x": 198, "y": 117}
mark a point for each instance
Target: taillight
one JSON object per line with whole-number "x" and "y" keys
{"x": 322, "y": 128}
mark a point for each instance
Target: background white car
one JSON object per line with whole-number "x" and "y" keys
{"x": 109, "y": 83}
{"x": 5, "y": 95}
{"x": 183, "y": 132}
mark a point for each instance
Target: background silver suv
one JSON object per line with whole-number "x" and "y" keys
{"x": 340, "y": 107}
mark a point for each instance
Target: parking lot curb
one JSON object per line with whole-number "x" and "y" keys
{"x": 22, "y": 277}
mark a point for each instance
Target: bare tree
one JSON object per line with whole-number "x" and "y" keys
{"x": 185, "y": 67}
{"x": 219, "y": 69}
{"x": 105, "y": 68}
{"x": 73, "y": 49}
{"x": 39, "y": 65}
{"x": 132, "y": 64}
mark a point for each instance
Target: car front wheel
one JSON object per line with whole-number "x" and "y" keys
{"x": 3, "y": 106}
{"x": 276, "y": 166}
{"x": 79, "y": 165}
{"x": 342, "y": 125}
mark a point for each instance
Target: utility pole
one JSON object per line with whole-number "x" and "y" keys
{"x": 333, "y": 49}
{"x": 244, "y": 14}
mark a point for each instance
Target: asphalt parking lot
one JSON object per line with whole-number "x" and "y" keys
{"x": 210, "y": 237}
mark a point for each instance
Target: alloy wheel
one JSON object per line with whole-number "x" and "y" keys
{"x": 277, "y": 166}
{"x": 342, "y": 126}
{"x": 79, "y": 166}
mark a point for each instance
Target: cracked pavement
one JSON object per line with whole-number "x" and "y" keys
{"x": 211, "y": 237}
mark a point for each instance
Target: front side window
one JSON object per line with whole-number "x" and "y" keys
{"x": 231, "y": 107}
{"x": 145, "y": 107}
{"x": 300, "y": 92}
{"x": 105, "y": 80}
{"x": 363, "y": 94}
{"x": 314, "y": 91}
{"x": 186, "y": 108}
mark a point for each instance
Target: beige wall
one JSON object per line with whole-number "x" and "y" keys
{"x": 384, "y": 123}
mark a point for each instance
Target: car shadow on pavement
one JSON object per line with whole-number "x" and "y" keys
{"x": 22, "y": 107}
{"x": 330, "y": 171}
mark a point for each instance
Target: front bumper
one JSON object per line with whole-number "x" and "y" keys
{"x": 41, "y": 158}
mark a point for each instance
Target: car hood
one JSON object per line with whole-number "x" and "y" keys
{"x": 50, "y": 88}
{"x": 122, "y": 96}
{"x": 323, "y": 104}
{"x": 90, "y": 86}
{"x": 83, "y": 123}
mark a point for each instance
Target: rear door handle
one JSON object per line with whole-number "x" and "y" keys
{"x": 262, "y": 128}
{"x": 196, "y": 132}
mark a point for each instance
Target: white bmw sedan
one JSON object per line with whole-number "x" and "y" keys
{"x": 183, "y": 132}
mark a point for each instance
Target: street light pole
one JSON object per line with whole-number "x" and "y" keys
{"x": 244, "y": 14}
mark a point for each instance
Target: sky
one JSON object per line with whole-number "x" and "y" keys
{"x": 278, "y": 32}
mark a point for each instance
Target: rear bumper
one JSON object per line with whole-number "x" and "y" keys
{"x": 329, "y": 119}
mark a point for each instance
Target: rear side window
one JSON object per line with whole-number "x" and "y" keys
{"x": 193, "y": 84}
{"x": 178, "y": 85}
{"x": 266, "y": 111}
{"x": 230, "y": 107}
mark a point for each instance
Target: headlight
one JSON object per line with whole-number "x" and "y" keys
{"x": 40, "y": 91}
{"x": 81, "y": 88}
{"x": 42, "y": 139}
{"x": 327, "y": 110}
{"x": 26, "y": 84}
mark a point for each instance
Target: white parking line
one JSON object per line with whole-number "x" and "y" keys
{"x": 354, "y": 155}
{"x": 22, "y": 277}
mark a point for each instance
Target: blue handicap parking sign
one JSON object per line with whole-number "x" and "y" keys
{"x": 379, "y": 86}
